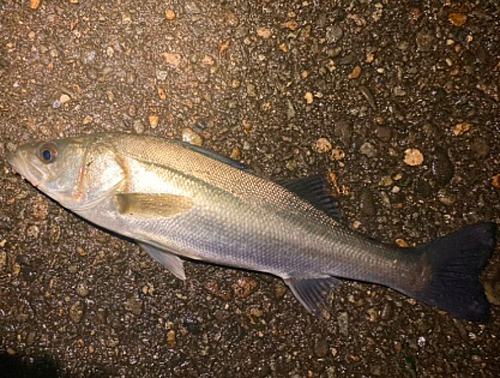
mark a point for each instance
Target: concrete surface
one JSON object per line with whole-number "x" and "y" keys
{"x": 399, "y": 99}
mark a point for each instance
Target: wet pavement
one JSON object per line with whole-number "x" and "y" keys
{"x": 398, "y": 100}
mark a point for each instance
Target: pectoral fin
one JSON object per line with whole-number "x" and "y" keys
{"x": 173, "y": 263}
{"x": 152, "y": 205}
{"x": 312, "y": 291}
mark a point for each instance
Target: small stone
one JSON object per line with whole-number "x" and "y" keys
{"x": 413, "y": 157}
{"x": 446, "y": 198}
{"x": 56, "y": 104}
{"x": 153, "y": 121}
{"x": 87, "y": 120}
{"x": 337, "y": 154}
{"x": 132, "y": 110}
{"x": 292, "y": 25}
{"x": 356, "y": 72}
{"x": 172, "y": 59}
{"x": 323, "y": 145}
{"x": 492, "y": 291}
{"x": 82, "y": 290}
{"x": 368, "y": 150}
{"x": 309, "y": 97}
{"x": 442, "y": 167}
{"x": 34, "y": 4}
{"x": 402, "y": 243}
{"x": 495, "y": 181}
{"x": 461, "y": 128}
{"x": 264, "y": 32}
{"x": 170, "y": 14}
{"x": 76, "y": 312}
{"x": 133, "y": 305}
{"x": 367, "y": 203}
{"x": 138, "y": 126}
{"x": 3, "y": 260}
{"x": 235, "y": 153}
{"x": 383, "y": 133}
{"x": 244, "y": 287}
{"x": 387, "y": 310}
{"x": 171, "y": 339}
{"x": 333, "y": 34}
{"x": 343, "y": 321}
{"x": 386, "y": 181}
{"x": 457, "y": 19}
{"x": 191, "y": 137}
{"x": 425, "y": 41}
{"x": 321, "y": 348}
{"x": 280, "y": 290}
{"x": 161, "y": 94}
{"x": 343, "y": 130}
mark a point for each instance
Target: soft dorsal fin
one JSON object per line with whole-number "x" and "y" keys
{"x": 316, "y": 191}
{"x": 223, "y": 159}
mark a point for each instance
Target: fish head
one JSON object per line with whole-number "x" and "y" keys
{"x": 73, "y": 171}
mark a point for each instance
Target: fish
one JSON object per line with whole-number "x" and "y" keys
{"x": 179, "y": 201}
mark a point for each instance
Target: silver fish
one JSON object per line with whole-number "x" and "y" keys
{"x": 180, "y": 201}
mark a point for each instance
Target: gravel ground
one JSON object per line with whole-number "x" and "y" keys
{"x": 399, "y": 99}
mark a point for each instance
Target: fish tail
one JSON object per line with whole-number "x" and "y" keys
{"x": 455, "y": 262}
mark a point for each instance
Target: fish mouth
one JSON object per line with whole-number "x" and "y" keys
{"x": 25, "y": 168}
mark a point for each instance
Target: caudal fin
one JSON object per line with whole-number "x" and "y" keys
{"x": 456, "y": 262}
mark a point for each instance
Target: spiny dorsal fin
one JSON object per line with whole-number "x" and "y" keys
{"x": 316, "y": 191}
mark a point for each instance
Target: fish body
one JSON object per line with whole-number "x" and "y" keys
{"x": 179, "y": 201}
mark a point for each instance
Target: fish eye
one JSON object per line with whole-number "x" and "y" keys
{"x": 47, "y": 152}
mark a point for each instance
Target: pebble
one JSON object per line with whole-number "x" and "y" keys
{"x": 446, "y": 198}
{"x": 367, "y": 94}
{"x": 442, "y": 167}
{"x": 343, "y": 130}
{"x": 356, "y": 72}
{"x": 171, "y": 341}
{"x": 3, "y": 260}
{"x": 76, "y": 312}
{"x": 323, "y": 145}
{"x": 495, "y": 181}
{"x": 191, "y": 137}
{"x": 383, "y": 133}
{"x": 132, "y": 110}
{"x": 64, "y": 98}
{"x": 387, "y": 311}
{"x": 244, "y": 287}
{"x": 138, "y": 126}
{"x": 172, "y": 59}
{"x": 264, "y": 32}
{"x": 492, "y": 290}
{"x": 333, "y": 34}
{"x": 413, "y": 157}
{"x": 133, "y": 305}
{"x": 153, "y": 121}
{"x": 321, "y": 348}
{"x": 56, "y": 104}
{"x": 235, "y": 153}
{"x": 87, "y": 120}
{"x": 461, "y": 128}
{"x": 425, "y": 41}
{"x": 457, "y": 19}
{"x": 480, "y": 147}
{"x": 343, "y": 321}
{"x": 82, "y": 290}
{"x": 309, "y": 97}
{"x": 368, "y": 150}
{"x": 337, "y": 154}
{"x": 367, "y": 203}
{"x": 290, "y": 110}
{"x": 170, "y": 14}
{"x": 34, "y": 4}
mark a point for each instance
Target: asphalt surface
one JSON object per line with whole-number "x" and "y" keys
{"x": 398, "y": 99}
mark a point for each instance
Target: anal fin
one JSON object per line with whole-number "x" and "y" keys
{"x": 170, "y": 261}
{"x": 312, "y": 291}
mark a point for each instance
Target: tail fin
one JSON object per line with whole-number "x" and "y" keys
{"x": 456, "y": 262}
